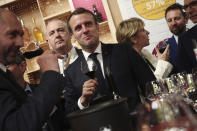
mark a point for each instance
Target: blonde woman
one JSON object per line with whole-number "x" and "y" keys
{"x": 132, "y": 31}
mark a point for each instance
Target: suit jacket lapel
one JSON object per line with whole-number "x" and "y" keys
{"x": 189, "y": 47}
{"x": 106, "y": 53}
{"x": 106, "y": 57}
{"x": 173, "y": 50}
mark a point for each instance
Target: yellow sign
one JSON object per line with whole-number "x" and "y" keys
{"x": 152, "y": 9}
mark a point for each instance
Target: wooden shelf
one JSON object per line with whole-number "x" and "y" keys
{"x": 6, "y": 2}
{"x": 50, "y": 7}
{"x": 60, "y": 15}
{"x": 103, "y": 28}
{"x": 45, "y": 10}
{"x": 21, "y": 7}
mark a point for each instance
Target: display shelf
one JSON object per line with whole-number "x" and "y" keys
{"x": 6, "y": 2}
{"x": 63, "y": 15}
{"x": 103, "y": 28}
{"x": 45, "y": 10}
{"x": 23, "y": 7}
{"x": 50, "y": 7}
{"x": 104, "y": 33}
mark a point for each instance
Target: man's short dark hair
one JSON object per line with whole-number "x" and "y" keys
{"x": 175, "y": 6}
{"x": 79, "y": 11}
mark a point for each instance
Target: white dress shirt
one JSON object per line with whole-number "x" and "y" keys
{"x": 99, "y": 57}
{"x": 73, "y": 56}
{"x": 2, "y": 67}
{"x": 176, "y": 39}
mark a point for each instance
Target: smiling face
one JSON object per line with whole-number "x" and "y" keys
{"x": 11, "y": 40}
{"x": 191, "y": 9}
{"x": 85, "y": 30}
{"x": 176, "y": 21}
{"x": 58, "y": 36}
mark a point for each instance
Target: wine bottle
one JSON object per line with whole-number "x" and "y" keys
{"x": 97, "y": 14}
{"x": 26, "y": 36}
{"x": 37, "y": 32}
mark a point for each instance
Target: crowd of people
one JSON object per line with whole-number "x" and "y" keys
{"x": 65, "y": 86}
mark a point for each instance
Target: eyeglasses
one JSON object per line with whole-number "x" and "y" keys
{"x": 190, "y": 5}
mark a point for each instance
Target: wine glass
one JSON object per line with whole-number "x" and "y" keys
{"x": 194, "y": 74}
{"x": 170, "y": 85}
{"x": 153, "y": 90}
{"x": 175, "y": 80}
{"x": 182, "y": 80}
{"x": 89, "y": 70}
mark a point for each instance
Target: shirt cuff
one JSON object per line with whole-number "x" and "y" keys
{"x": 81, "y": 107}
{"x": 163, "y": 69}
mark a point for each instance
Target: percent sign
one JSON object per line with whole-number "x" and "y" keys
{"x": 153, "y": 3}
{"x": 160, "y": 2}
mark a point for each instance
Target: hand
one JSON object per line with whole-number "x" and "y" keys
{"x": 49, "y": 61}
{"x": 165, "y": 55}
{"x": 88, "y": 91}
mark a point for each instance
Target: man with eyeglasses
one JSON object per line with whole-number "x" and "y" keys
{"x": 187, "y": 48}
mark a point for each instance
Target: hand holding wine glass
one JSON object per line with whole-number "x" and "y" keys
{"x": 89, "y": 88}
{"x": 90, "y": 85}
{"x": 164, "y": 55}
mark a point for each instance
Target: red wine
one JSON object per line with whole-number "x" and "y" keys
{"x": 90, "y": 74}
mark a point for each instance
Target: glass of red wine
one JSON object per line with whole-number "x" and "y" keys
{"x": 89, "y": 70}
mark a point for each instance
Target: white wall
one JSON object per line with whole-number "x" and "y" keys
{"x": 158, "y": 28}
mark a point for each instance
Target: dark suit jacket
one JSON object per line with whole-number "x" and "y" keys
{"x": 21, "y": 113}
{"x": 186, "y": 56}
{"x": 173, "y": 54}
{"x": 128, "y": 69}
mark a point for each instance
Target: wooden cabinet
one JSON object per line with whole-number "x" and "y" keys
{"x": 5, "y": 2}
{"x": 51, "y": 9}
{"x": 45, "y": 10}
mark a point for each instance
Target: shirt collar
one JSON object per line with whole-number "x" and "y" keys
{"x": 97, "y": 50}
{"x": 2, "y": 67}
{"x": 72, "y": 52}
{"x": 176, "y": 38}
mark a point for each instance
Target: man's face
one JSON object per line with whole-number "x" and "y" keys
{"x": 85, "y": 31}
{"x": 58, "y": 36}
{"x": 11, "y": 40}
{"x": 190, "y": 7}
{"x": 176, "y": 21}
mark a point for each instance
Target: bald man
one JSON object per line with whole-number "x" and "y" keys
{"x": 18, "y": 111}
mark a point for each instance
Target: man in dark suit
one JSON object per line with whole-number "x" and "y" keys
{"x": 176, "y": 19}
{"x": 18, "y": 111}
{"x": 187, "y": 49}
{"x": 128, "y": 69}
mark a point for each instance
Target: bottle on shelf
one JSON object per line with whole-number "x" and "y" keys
{"x": 26, "y": 36}
{"x": 97, "y": 14}
{"x": 37, "y": 32}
